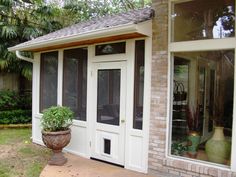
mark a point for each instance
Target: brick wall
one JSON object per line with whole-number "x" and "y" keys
{"x": 159, "y": 86}
{"x": 159, "y": 164}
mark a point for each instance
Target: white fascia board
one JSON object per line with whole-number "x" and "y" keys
{"x": 145, "y": 28}
{"x": 118, "y": 30}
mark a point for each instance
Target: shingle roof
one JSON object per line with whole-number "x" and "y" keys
{"x": 106, "y": 22}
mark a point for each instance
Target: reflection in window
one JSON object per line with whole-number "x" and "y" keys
{"x": 108, "y": 96}
{"x": 48, "y": 80}
{"x": 138, "y": 84}
{"x": 111, "y": 48}
{"x": 201, "y": 19}
{"x": 203, "y": 84}
{"x": 75, "y": 81}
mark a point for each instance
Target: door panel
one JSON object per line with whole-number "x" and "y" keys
{"x": 108, "y": 134}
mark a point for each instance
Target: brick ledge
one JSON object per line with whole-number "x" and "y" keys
{"x": 196, "y": 168}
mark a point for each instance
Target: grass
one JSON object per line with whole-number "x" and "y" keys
{"x": 9, "y": 136}
{"x": 34, "y": 169}
{"x": 4, "y": 170}
{"x": 19, "y": 157}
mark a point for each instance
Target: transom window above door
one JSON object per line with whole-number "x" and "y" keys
{"x": 111, "y": 48}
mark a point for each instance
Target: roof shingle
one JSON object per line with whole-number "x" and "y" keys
{"x": 106, "y": 22}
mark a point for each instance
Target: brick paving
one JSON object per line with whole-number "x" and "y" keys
{"x": 81, "y": 167}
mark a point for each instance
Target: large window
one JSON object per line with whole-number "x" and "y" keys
{"x": 48, "y": 80}
{"x": 203, "y": 85}
{"x": 202, "y": 92}
{"x": 75, "y": 81}
{"x": 203, "y": 19}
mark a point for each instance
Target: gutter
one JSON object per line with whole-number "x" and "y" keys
{"x": 121, "y": 29}
{"x": 31, "y": 60}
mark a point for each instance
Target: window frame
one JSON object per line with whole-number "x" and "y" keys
{"x": 191, "y": 46}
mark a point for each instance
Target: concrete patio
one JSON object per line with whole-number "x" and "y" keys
{"x": 82, "y": 167}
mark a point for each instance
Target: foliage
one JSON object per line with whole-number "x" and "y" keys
{"x": 75, "y": 11}
{"x": 15, "y": 108}
{"x": 10, "y": 100}
{"x": 226, "y": 15}
{"x": 15, "y": 116}
{"x": 193, "y": 116}
{"x": 57, "y": 118}
{"x": 20, "y": 21}
{"x": 178, "y": 148}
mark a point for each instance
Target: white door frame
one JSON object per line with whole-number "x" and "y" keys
{"x": 100, "y": 131}
{"x": 136, "y": 141}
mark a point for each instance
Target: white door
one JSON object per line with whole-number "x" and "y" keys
{"x": 108, "y": 136}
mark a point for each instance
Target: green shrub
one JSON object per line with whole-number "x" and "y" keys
{"x": 8, "y": 100}
{"x": 12, "y": 100}
{"x": 56, "y": 118}
{"x": 15, "y": 116}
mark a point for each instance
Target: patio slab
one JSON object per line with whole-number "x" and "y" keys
{"x": 81, "y": 167}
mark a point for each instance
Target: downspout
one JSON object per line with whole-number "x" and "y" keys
{"x": 31, "y": 60}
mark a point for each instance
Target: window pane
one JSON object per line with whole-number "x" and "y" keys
{"x": 201, "y": 19}
{"x": 203, "y": 85}
{"x": 48, "y": 80}
{"x": 75, "y": 81}
{"x": 138, "y": 84}
{"x": 107, "y": 49}
{"x": 108, "y": 99}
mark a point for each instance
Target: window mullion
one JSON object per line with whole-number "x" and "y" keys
{"x": 60, "y": 77}
{"x": 233, "y": 146}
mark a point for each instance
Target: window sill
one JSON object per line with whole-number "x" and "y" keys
{"x": 196, "y": 166}
{"x": 79, "y": 123}
{"x": 38, "y": 116}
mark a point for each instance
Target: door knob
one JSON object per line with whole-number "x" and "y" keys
{"x": 122, "y": 120}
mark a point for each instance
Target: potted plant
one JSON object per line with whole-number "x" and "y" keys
{"x": 56, "y": 133}
{"x": 178, "y": 148}
{"x": 193, "y": 131}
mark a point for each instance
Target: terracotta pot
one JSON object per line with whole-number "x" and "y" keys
{"x": 57, "y": 141}
{"x": 218, "y": 148}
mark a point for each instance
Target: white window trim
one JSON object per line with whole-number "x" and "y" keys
{"x": 190, "y": 46}
{"x": 60, "y": 77}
